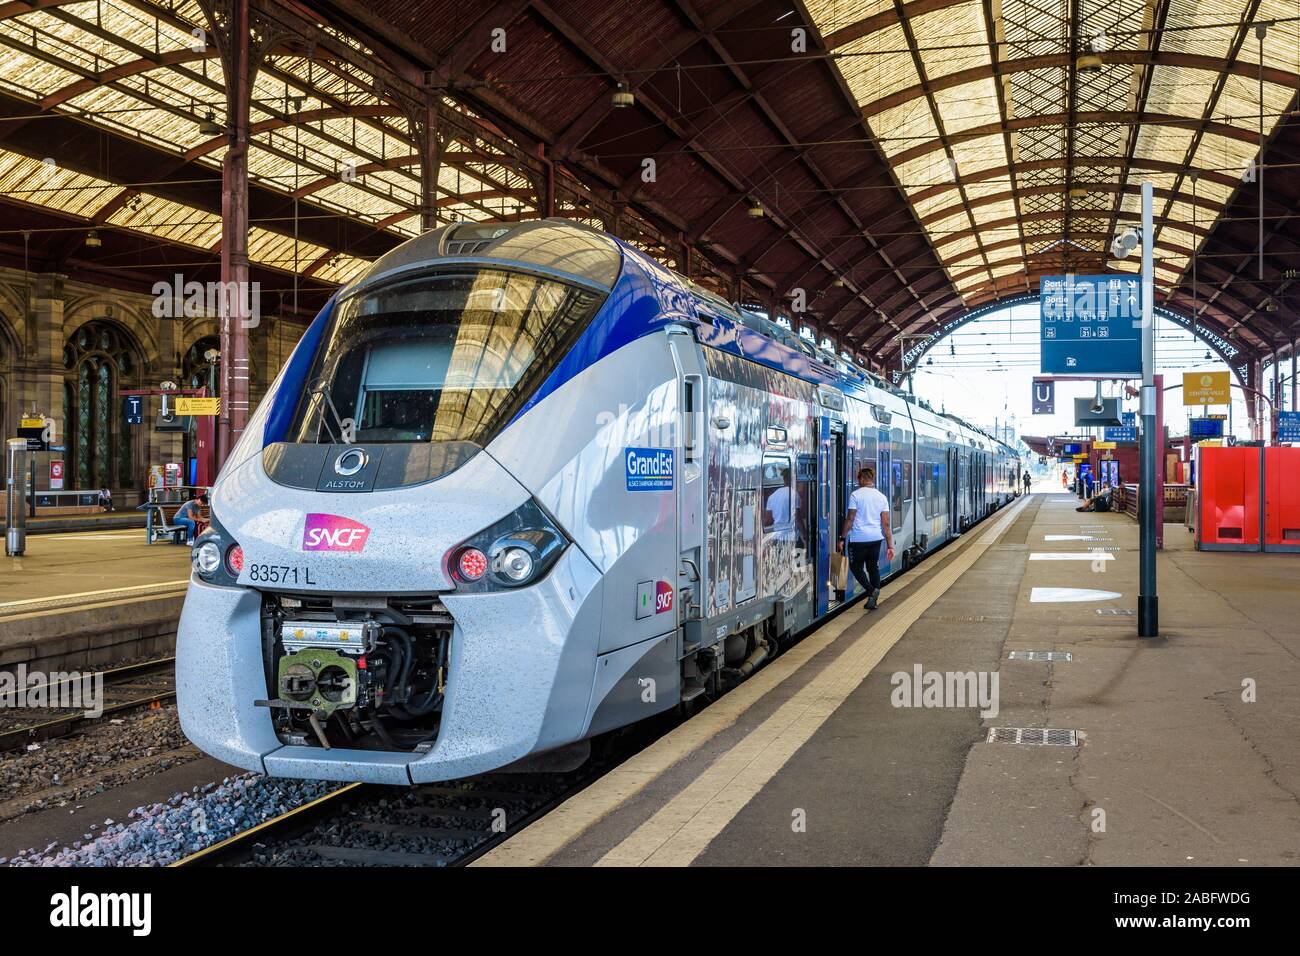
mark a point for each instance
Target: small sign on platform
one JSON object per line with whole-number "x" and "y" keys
{"x": 198, "y": 406}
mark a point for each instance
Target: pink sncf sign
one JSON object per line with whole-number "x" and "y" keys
{"x": 333, "y": 533}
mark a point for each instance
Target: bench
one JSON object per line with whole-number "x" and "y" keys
{"x": 160, "y": 521}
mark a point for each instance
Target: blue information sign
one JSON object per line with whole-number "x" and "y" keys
{"x": 133, "y": 409}
{"x": 1288, "y": 427}
{"x": 1202, "y": 428}
{"x": 1091, "y": 325}
{"x": 1126, "y": 432}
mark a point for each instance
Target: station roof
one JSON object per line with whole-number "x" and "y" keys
{"x": 912, "y": 159}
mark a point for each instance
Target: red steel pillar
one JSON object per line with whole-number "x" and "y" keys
{"x": 234, "y": 43}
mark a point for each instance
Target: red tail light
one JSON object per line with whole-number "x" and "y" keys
{"x": 235, "y": 560}
{"x": 471, "y": 564}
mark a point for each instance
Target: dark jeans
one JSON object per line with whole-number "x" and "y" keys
{"x": 864, "y": 562}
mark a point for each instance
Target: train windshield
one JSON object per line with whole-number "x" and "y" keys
{"x": 442, "y": 357}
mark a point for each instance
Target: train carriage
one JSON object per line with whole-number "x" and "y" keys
{"x": 520, "y": 485}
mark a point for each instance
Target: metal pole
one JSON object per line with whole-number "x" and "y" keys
{"x": 1148, "y": 603}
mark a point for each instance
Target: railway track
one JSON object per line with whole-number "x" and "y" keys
{"x": 438, "y": 825}
{"x": 126, "y": 688}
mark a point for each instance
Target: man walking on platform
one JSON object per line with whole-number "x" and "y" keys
{"x": 866, "y": 527}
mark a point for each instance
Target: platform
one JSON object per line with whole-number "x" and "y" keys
{"x": 90, "y": 598}
{"x": 809, "y": 763}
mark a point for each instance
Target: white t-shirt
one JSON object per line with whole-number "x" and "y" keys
{"x": 867, "y": 504}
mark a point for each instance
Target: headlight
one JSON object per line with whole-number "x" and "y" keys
{"x": 216, "y": 557}
{"x": 516, "y": 564}
{"x": 516, "y": 551}
{"x": 207, "y": 557}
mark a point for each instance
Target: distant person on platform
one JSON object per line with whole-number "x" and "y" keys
{"x": 1028, "y": 480}
{"x": 106, "y": 499}
{"x": 1088, "y": 484}
{"x": 866, "y": 527}
{"x": 189, "y": 514}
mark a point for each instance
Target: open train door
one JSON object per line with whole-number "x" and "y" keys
{"x": 832, "y": 498}
{"x": 954, "y": 492}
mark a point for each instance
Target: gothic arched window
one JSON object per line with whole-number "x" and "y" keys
{"x": 98, "y": 359}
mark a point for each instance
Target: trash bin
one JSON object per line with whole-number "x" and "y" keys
{"x": 16, "y": 498}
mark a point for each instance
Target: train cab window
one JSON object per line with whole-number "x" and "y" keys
{"x": 443, "y": 357}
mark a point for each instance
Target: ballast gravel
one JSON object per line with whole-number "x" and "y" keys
{"x": 163, "y": 833}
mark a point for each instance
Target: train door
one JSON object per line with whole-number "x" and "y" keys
{"x": 831, "y": 496}
{"x": 688, "y": 594}
{"x": 954, "y": 492}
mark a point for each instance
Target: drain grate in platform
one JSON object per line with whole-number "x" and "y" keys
{"x": 961, "y": 618}
{"x": 1040, "y": 656}
{"x": 1037, "y": 736}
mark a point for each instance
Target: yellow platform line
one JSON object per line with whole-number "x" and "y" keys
{"x": 135, "y": 590}
{"x": 544, "y": 838}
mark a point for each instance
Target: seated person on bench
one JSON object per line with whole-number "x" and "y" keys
{"x": 188, "y": 516}
{"x": 1098, "y": 502}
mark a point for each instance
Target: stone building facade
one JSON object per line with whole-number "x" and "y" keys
{"x": 67, "y": 348}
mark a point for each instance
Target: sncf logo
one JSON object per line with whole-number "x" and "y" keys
{"x": 333, "y": 533}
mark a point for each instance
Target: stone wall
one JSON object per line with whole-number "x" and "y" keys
{"x": 39, "y": 313}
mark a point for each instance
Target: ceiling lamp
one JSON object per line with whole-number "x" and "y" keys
{"x": 755, "y": 210}
{"x": 622, "y": 97}
{"x": 208, "y": 125}
{"x": 838, "y": 283}
{"x": 1078, "y": 192}
{"x": 1208, "y": 357}
{"x": 1088, "y": 63}
{"x": 92, "y": 240}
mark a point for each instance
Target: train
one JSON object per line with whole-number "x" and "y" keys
{"x": 520, "y": 485}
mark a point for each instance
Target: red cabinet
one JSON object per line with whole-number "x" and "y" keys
{"x": 1228, "y": 491}
{"x": 1282, "y": 499}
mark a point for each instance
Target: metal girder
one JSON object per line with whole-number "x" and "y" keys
{"x": 122, "y": 71}
{"x": 1082, "y": 117}
{"x": 1192, "y": 61}
{"x": 1113, "y": 188}
{"x": 1118, "y": 162}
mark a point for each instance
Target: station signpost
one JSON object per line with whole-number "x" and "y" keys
{"x": 1103, "y": 327}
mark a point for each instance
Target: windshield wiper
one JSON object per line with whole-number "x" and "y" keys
{"x": 318, "y": 391}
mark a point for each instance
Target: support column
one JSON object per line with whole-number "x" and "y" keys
{"x": 231, "y": 28}
{"x": 545, "y": 183}
{"x": 1254, "y": 374}
{"x": 426, "y": 128}
{"x": 1277, "y": 396}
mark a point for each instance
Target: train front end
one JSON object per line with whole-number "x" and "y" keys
{"x": 379, "y": 597}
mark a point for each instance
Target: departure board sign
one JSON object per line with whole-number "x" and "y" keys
{"x": 1201, "y": 428}
{"x": 1126, "y": 432}
{"x": 1288, "y": 427}
{"x": 1091, "y": 325}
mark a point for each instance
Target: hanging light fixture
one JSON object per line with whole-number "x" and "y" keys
{"x": 92, "y": 240}
{"x": 622, "y": 97}
{"x": 755, "y": 210}
{"x": 1078, "y": 192}
{"x": 208, "y": 126}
